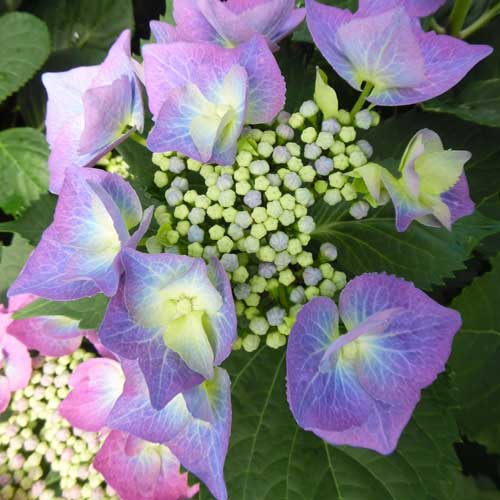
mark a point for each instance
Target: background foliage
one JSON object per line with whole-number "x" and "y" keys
{"x": 456, "y": 427}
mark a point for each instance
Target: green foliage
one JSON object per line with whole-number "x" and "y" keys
{"x": 33, "y": 222}
{"x": 92, "y": 24}
{"x": 12, "y": 259}
{"x": 421, "y": 254}
{"x": 270, "y": 457}
{"x": 24, "y": 173}
{"x": 89, "y": 311}
{"x": 24, "y": 47}
{"x": 477, "y": 97}
{"x": 476, "y": 352}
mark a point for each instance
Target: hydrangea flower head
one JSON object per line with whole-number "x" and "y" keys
{"x": 192, "y": 429}
{"x": 78, "y": 255}
{"x": 201, "y": 95}
{"x": 229, "y": 23}
{"x": 433, "y": 188}
{"x": 414, "y": 8}
{"x": 138, "y": 470}
{"x": 89, "y": 109}
{"x": 387, "y": 50}
{"x": 175, "y": 315}
{"x": 361, "y": 388}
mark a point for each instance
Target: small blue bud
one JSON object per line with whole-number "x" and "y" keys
{"x": 324, "y": 165}
{"x": 281, "y": 155}
{"x": 267, "y": 270}
{"x": 279, "y": 241}
{"x": 242, "y": 291}
{"x": 285, "y": 132}
{"x": 312, "y": 151}
{"x": 298, "y": 295}
{"x": 230, "y": 262}
{"x": 312, "y": 276}
{"x": 274, "y": 180}
{"x": 366, "y": 147}
{"x": 174, "y": 197}
{"x": 195, "y": 234}
{"x": 225, "y": 182}
{"x": 275, "y": 316}
{"x": 331, "y": 126}
{"x": 259, "y": 167}
{"x": 176, "y": 165}
{"x": 244, "y": 219}
{"x": 363, "y": 119}
{"x": 292, "y": 181}
{"x": 253, "y": 199}
{"x": 181, "y": 184}
{"x": 329, "y": 251}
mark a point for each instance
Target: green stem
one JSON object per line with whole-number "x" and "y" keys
{"x": 458, "y": 15}
{"x": 138, "y": 138}
{"x": 437, "y": 27}
{"x": 480, "y": 21}
{"x": 362, "y": 98}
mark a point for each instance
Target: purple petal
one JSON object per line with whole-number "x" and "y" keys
{"x": 166, "y": 373}
{"x": 330, "y": 400}
{"x": 415, "y": 8}
{"x": 16, "y": 363}
{"x": 138, "y": 470}
{"x": 96, "y": 385}
{"x": 266, "y": 96}
{"x": 192, "y": 26}
{"x": 447, "y": 60}
{"x": 77, "y": 255}
{"x": 88, "y": 110}
{"x": 194, "y": 427}
{"x": 415, "y": 344}
{"x": 163, "y": 32}
{"x": 201, "y": 447}
{"x": 49, "y": 335}
{"x": 224, "y": 322}
{"x": 458, "y": 200}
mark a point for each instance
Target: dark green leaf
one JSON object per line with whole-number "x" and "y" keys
{"x": 85, "y": 23}
{"x": 476, "y": 353}
{"x": 13, "y": 258}
{"x": 271, "y": 458}
{"x": 421, "y": 254}
{"x": 24, "y": 47}
{"x": 88, "y": 311}
{"x": 33, "y": 222}
{"x": 24, "y": 173}
{"x": 477, "y": 101}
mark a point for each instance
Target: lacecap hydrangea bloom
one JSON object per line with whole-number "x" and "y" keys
{"x": 229, "y": 23}
{"x": 79, "y": 254}
{"x": 384, "y": 50}
{"x": 360, "y": 388}
{"x": 192, "y": 430}
{"x": 89, "y": 110}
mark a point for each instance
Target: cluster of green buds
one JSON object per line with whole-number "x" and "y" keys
{"x": 116, "y": 165}
{"x": 256, "y": 215}
{"x": 41, "y": 455}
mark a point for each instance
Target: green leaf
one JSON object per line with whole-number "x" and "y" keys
{"x": 476, "y": 351}
{"x": 33, "y": 222}
{"x": 421, "y": 254}
{"x": 24, "y": 47}
{"x": 477, "y": 97}
{"x": 271, "y": 458}
{"x": 85, "y": 23}
{"x": 24, "y": 173}
{"x": 89, "y": 311}
{"x": 13, "y": 258}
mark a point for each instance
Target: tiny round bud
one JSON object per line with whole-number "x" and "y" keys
{"x": 363, "y": 119}
{"x": 281, "y": 155}
{"x": 176, "y": 165}
{"x": 366, "y": 148}
{"x": 312, "y": 276}
{"x": 195, "y": 234}
{"x": 251, "y": 343}
{"x": 160, "y": 179}
{"x": 328, "y": 251}
{"x": 359, "y": 210}
{"x": 331, "y": 125}
{"x": 349, "y": 192}
{"x": 253, "y": 199}
{"x": 324, "y": 165}
{"x": 279, "y": 241}
{"x": 275, "y": 316}
{"x": 235, "y": 232}
{"x": 285, "y": 132}
{"x": 297, "y": 295}
{"x": 282, "y": 260}
{"x": 312, "y": 151}
{"x": 306, "y": 225}
{"x": 347, "y": 134}
{"x": 173, "y": 196}
{"x": 242, "y": 291}
{"x": 265, "y": 149}
{"x": 309, "y": 109}
{"x": 259, "y": 325}
{"x": 304, "y": 196}
{"x": 293, "y": 148}
{"x": 309, "y": 135}
{"x": 341, "y": 161}
{"x": 286, "y": 277}
{"x": 224, "y": 182}
{"x": 269, "y": 136}
{"x": 275, "y": 340}
{"x": 259, "y": 167}
{"x": 296, "y": 120}
{"x": 344, "y": 117}
{"x": 181, "y": 184}
{"x": 267, "y": 270}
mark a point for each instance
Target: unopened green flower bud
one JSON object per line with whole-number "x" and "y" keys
{"x": 359, "y": 210}
{"x": 266, "y": 254}
{"x": 349, "y": 192}
{"x": 375, "y": 118}
{"x": 243, "y": 187}
{"x": 287, "y": 218}
{"x": 327, "y": 288}
{"x": 341, "y": 162}
{"x": 293, "y": 148}
{"x": 296, "y": 121}
{"x": 202, "y": 201}
{"x": 304, "y": 196}
{"x": 338, "y": 148}
{"x": 312, "y": 152}
{"x": 206, "y": 170}
{"x": 160, "y": 160}
{"x": 300, "y": 211}
{"x": 213, "y": 192}
{"x": 193, "y": 165}
{"x": 344, "y": 117}
{"x": 190, "y": 196}
{"x": 240, "y": 275}
{"x": 243, "y": 219}
{"x": 216, "y": 232}
{"x": 339, "y": 279}
{"x": 337, "y": 180}
{"x": 227, "y": 198}
{"x": 261, "y": 183}
{"x": 251, "y": 343}
{"x": 306, "y": 224}
{"x": 309, "y": 135}
{"x": 197, "y": 216}
{"x": 294, "y": 246}
{"x": 269, "y": 136}
{"x": 275, "y": 340}
{"x": 271, "y": 224}
{"x": 181, "y": 212}
{"x": 305, "y": 259}
{"x": 182, "y": 227}
{"x": 347, "y": 134}
{"x": 235, "y": 232}
{"x": 363, "y": 119}
{"x": 328, "y": 251}
{"x": 258, "y": 231}
{"x": 160, "y": 179}
{"x": 273, "y": 193}
{"x": 326, "y": 270}
{"x": 307, "y": 173}
{"x": 321, "y": 187}
{"x": 253, "y": 300}
{"x": 251, "y": 244}
{"x": 357, "y": 159}
{"x": 225, "y": 244}
{"x": 311, "y": 292}
{"x": 292, "y": 181}
{"x": 325, "y": 140}
{"x": 286, "y": 277}
{"x": 244, "y": 159}
{"x": 215, "y": 211}
{"x": 242, "y": 174}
